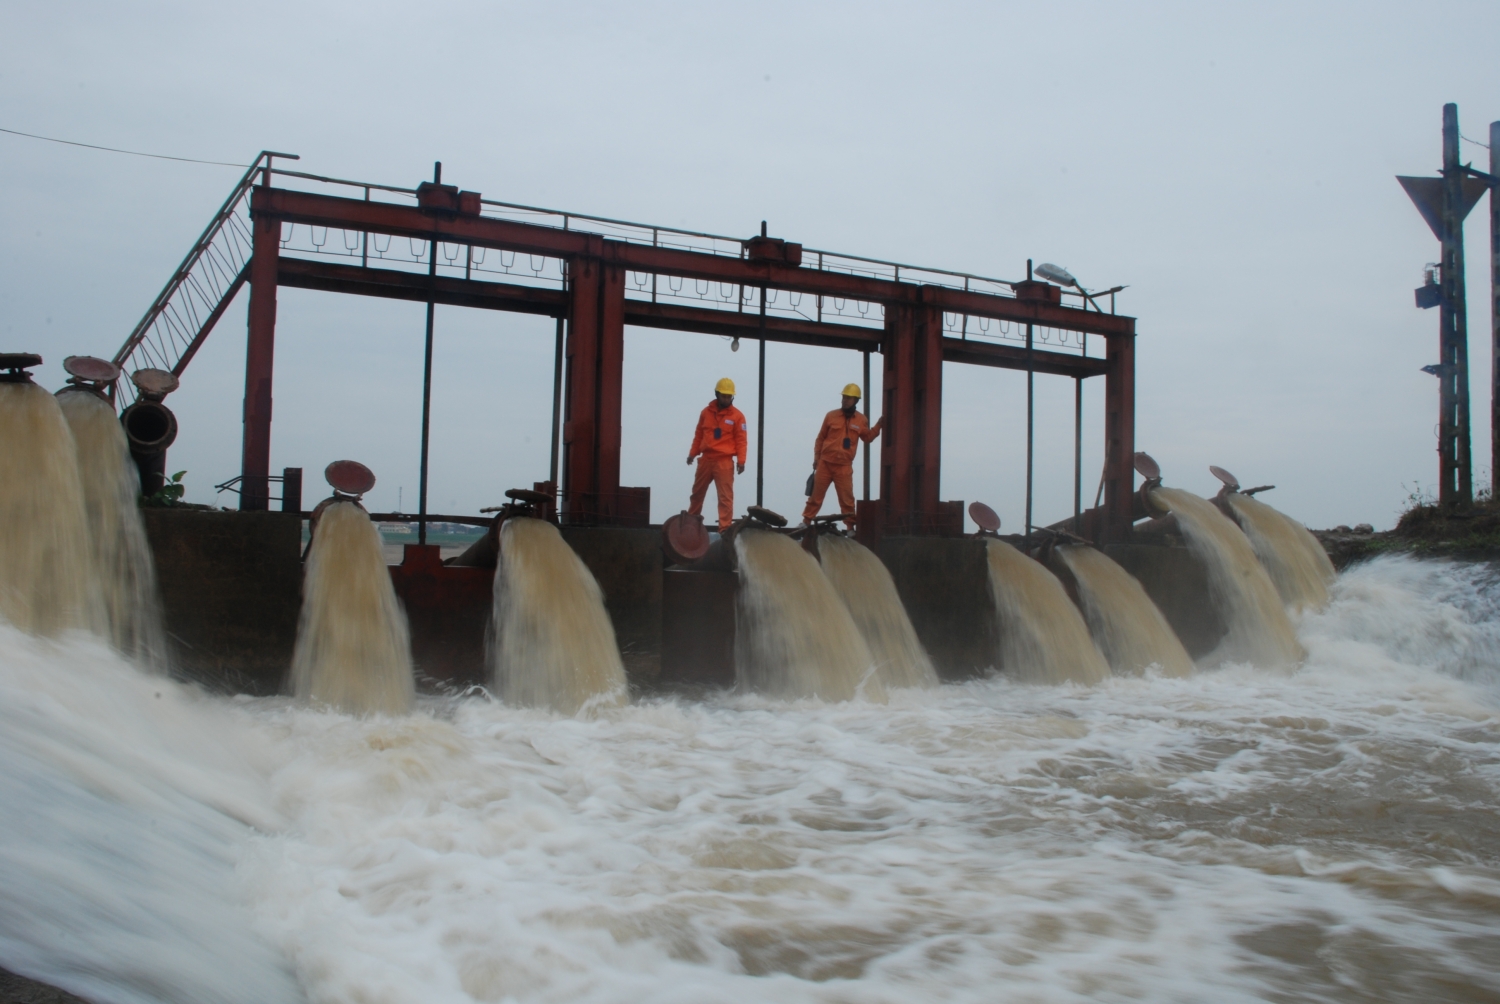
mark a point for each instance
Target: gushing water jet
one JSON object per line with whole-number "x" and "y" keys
{"x": 1043, "y": 637}
{"x": 794, "y": 636}
{"x": 865, "y": 585}
{"x": 554, "y": 646}
{"x": 352, "y": 651}
{"x": 1293, "y": 558}
{"x": 1259, "y": 631}
{"x": 121, "y": 554}
{"x": 1127, "y": 626}
{"x": 47, "y": 580}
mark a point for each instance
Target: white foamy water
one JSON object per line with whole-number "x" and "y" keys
{"x": 1330, "y": 834}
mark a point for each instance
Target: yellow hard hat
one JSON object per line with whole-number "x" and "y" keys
{"x": 724, "y": 386}
{"x": 851, "y": 390}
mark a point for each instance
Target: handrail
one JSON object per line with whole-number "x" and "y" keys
{"x": 159, "y": 306}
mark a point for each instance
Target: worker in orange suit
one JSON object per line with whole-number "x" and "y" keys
{"x": 721, "y": 444}
{"x": 844, "y": 428}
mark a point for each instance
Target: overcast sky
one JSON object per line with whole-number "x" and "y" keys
{"x": 1231, "y": 163}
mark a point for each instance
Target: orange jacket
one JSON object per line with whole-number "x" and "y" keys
{"x": 720, "y": 433}
{"x": 839, "y": 438}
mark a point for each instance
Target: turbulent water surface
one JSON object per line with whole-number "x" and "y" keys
{"x": 1240, "y": 834}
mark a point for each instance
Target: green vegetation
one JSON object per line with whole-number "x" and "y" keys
{"x": 169, "y": 494}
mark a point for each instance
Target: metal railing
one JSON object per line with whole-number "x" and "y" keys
{"x": 190, "y": 304}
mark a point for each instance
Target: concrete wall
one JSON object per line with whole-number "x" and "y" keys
{"x": 944, "y": 583}
{"x": 231, "y": 588}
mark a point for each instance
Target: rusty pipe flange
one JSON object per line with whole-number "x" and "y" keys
{"x": 90, "y": 374}
{"x": 14, "y": 366}
{"x": 349, "y": 478}
{"x": 684, "y": 539}
{"x": 985, "y": 518}
{"x": 1149, "y": 505}
{"x": 154, "y": 384}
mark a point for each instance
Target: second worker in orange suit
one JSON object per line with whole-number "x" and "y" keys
{"x": 718, "y": 442}
{"x": 833, "y": 454}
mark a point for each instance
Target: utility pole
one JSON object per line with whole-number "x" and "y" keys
{"x": 1443, "y": 203}
{"x": 1494, "y": 311}
{"x": 1453, "y": 341}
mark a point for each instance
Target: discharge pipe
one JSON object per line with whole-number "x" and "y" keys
{"x": 150, "y": 426}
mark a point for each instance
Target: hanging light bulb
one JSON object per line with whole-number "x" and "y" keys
{"x": 734, "y": 346}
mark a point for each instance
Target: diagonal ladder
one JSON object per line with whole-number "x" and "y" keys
{"x": 201, "y": 289}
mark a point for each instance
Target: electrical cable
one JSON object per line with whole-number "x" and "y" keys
{"x": 111, "y": 149}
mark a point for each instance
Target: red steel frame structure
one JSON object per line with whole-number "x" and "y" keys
{"x": 594, "y": 305}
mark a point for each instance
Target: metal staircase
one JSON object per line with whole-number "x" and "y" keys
{"x": 202, "y": 287}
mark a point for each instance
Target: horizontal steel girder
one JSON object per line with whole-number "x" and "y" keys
{"x": 480, "y": 231}
{"x": 393, "y": 284}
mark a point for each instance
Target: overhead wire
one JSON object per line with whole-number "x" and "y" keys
{"x": 112, "y": 149}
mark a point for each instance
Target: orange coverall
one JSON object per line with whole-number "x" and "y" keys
{"x": 833, "y": 454}
{"x": 719, "y": 440}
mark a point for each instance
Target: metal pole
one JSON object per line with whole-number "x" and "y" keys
{"x": 1457, "y": 485}
{"x": 870, "y": 445}
{"x": 437, "y": 179}
{"x": 1077, "y": 454}
{"x": 557, "y": 375}
{"x": 1030, "y": 416}
{"x": 1494, "y": 311}
{"x": 760, "y": 408}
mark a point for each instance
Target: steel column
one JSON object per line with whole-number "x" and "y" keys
{"x": 870, "y": 445}
{"x": 1119, "y": 437}
{"x": 557, "y": 389}
{"x": 260, "y": 350}
{"x": 595, "y": 368}
{"x": 910, "y": 457}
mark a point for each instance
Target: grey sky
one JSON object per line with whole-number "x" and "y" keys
{"x": 1232, "y": 163}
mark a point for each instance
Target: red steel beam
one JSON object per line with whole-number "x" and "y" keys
{"x": 260, "y": 350}
{"x": 303, "y": 273}
{"x": 393, "y": 284}
{"x": 1012, "y": 357}
{"x": 480, "y": 231}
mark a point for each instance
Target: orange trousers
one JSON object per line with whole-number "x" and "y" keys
{"x": 842, "y": 478}
{"x": 719, "y": 470}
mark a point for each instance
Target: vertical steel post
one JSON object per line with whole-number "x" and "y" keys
{"x": 260, "y": 351}
{"x": 437, "y": 179}
{"x": 1077, "y": 452}
{"x": 1083, "y": 350}
{"x": 760, "y": 405}
{"x": 1457, "y": 484}
{"x": 557, "y": 376}
{"x": 1030, "y": 414}
{"x": 1495, "y": 311}
{"x": 870, "y": 445}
